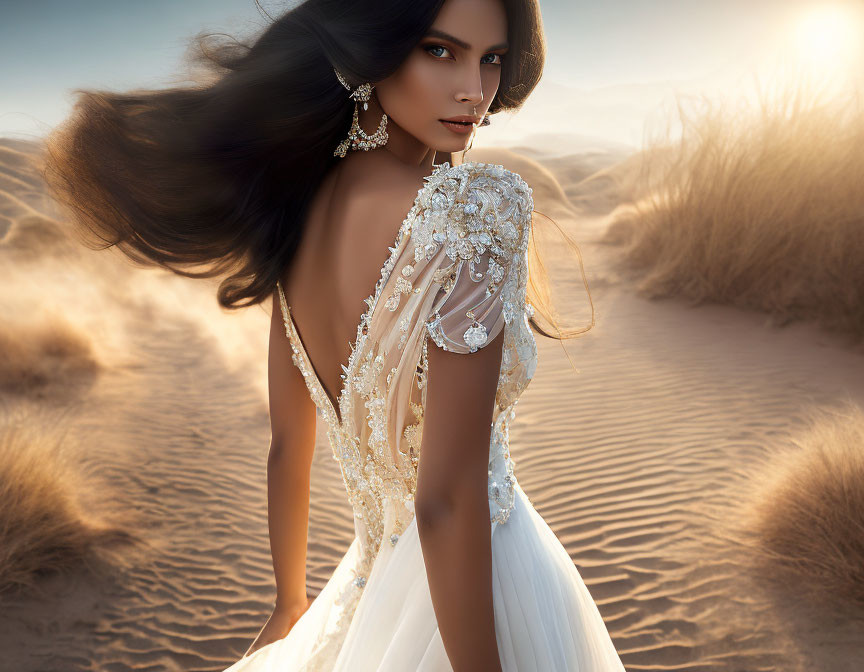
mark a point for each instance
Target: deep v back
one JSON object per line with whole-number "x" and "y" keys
{"x": 455, "y": 275}
{"x": 316, "y": 362}
{"x": 456, "y": 278}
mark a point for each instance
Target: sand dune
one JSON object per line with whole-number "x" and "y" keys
{"x": 643, "y": 461}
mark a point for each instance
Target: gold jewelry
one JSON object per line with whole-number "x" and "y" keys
{"x": 484, "y": 122}
{"x": 470, "y": 142}
{"x": 357, "y": 138}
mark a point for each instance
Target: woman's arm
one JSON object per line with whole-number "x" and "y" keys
{"x": 451, "y": 502}
{"x": 292, "y": 420}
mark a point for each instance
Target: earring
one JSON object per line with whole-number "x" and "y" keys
{"x": 470, "y": 142}
{"x": 485, "y": 122}
{"x": 357, "y": 138}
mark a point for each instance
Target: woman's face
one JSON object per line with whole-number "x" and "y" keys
{"x": 454, "y": 70}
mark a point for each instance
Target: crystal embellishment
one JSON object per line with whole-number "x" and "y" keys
{"x": 475, "y": 336}
{"x": 463, "y": 216}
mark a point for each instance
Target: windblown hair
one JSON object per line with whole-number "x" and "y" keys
{"x": 219, "y": 176}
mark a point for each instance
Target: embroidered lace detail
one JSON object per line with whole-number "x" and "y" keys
{"x": 466, "y": 235}
{"x": 482, "y": 221}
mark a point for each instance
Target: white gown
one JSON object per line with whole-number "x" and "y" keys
{"x": 461, "y": 248}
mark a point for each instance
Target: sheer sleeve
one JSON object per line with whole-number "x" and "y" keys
{"x": 480, "y": 232}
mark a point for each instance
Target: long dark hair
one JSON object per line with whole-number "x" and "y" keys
{"x": 219, "y": 175}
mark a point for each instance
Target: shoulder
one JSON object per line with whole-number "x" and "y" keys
{"x": 472, "y": 208}
{"x": 472, "y": 176}
{"x": 499, "y": 178}
{"x": 376, "y": 185}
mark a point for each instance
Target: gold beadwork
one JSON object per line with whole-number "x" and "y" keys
{"x": 376, "y": 435}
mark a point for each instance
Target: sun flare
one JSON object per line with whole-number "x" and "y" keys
{"x": 829, "y": 38}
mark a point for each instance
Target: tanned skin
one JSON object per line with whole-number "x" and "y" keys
{"x": 452, "y": 505}
{"x": 292, "y": 418}
{"x": 352, "y": 220}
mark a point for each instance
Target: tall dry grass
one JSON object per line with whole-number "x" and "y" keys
{"x": 48, "y": 521}
{"x": 48, "y": 359}
{"x": 805, "y": 519}
{"x": 760, "y": 205}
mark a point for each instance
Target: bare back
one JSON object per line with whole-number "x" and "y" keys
{"x": 353, "y": 219}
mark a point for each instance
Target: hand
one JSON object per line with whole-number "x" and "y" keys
{"x": 279, "y": 624}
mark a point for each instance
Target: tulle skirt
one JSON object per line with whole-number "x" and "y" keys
{"x": 545, "y": 618}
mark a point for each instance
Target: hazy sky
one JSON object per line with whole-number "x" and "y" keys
{"x": 48, "y": 47}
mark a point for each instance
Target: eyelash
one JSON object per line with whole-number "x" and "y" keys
{"x": 441, "y": 46}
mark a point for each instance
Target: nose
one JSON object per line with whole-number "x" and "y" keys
{"x": 471, "y": 87}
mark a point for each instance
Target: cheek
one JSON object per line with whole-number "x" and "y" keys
{"x": 418, "y": 81}
{"x": 412, "y": 92}
{"x": 491, "y": 82}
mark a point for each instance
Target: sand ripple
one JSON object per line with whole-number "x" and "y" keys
{"x": 639, "y": 463}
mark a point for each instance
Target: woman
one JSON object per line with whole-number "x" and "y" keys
{"x": 451, "y": 566}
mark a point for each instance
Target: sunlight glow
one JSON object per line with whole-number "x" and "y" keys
{"x": 829, "y": 38}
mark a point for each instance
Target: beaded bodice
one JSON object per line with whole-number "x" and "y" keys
{"x": 456, "y": 276}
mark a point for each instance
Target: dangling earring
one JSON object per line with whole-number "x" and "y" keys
{"x": 486, "y": 122}
{"x": 357, "y": 138}
{"x": 470, "y": 142}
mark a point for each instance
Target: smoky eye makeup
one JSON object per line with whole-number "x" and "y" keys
{"x": 430, "y": 48}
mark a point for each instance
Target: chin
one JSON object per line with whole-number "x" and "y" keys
{"x": 452, "y": 146}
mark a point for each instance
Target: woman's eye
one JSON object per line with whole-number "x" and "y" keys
{"x": 429, "y": 48}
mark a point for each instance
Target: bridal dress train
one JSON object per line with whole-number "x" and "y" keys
{"x": 456, "y": 276}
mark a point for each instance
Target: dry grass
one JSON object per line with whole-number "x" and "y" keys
{"x": 807, "y": 512}
{"x": 46, "y": 523}
{"x": 759, "y": 206}
{"x": 45, "y": 360}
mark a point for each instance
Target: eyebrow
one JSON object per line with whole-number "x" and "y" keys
{"x": 434, "y": 32}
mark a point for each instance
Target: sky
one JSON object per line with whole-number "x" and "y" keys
{"x": 609, "y": 62}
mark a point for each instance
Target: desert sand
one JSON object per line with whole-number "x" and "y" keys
{"x": 643, "y": 459}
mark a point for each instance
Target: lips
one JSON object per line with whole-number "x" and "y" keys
{"x": 464, "y": 119}
{"x": 462, "y": 128}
